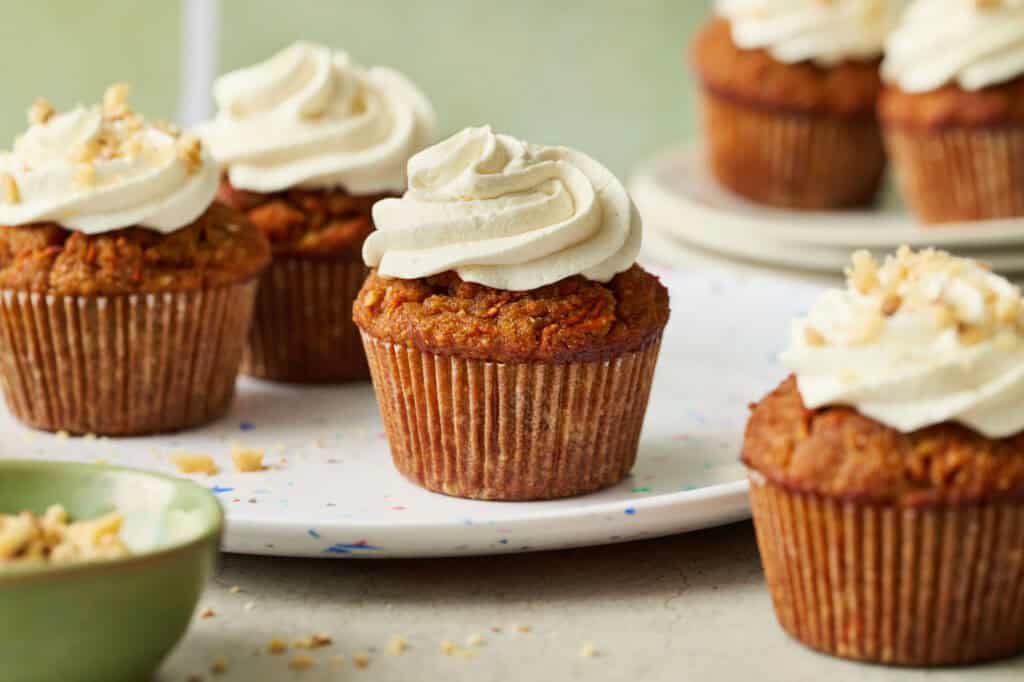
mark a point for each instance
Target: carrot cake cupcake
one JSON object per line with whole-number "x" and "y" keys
{"x": 511, "y": 337}
{"x": 887, "y": 475}
{"x": 311, "y": 140}
{"x": 124, "y": 290}
{"x": 789, "y": 90}
{"x": 953, "y": 108}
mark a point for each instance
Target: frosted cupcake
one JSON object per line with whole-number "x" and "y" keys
{"x": 790, "y": 89}
{"x": 887, "y": 475}
{"x": 124, "y": 290}
{"x": 511, "y": 336}
{"x": 311, "y": 140}
{"x": 953, "y": 108}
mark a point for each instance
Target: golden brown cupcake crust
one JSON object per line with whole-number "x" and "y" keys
{"x": 755, "y": 78}
{"x": 573, "y": 320}
{"x": 840, "y": 453}
{"x": 952, "y": 106}
{"x": 316, "y": 224}
{"x": 220, "y": 247}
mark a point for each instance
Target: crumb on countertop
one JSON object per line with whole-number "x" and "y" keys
{"x": 194, "y": 463}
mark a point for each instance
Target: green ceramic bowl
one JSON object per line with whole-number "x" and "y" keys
{"x": 105, "y": 621}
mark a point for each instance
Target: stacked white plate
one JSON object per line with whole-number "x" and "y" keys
{"x": 684, "y": 209}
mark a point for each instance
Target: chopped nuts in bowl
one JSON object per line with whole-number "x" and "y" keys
{"x": 113, "y": 574}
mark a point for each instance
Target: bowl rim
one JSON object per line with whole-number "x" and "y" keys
{"x": 212, "y": 533}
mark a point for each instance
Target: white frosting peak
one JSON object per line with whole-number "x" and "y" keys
{"x": 823, "y": 31}
{"x": 973, "y": 43}
{"x": 926, "y": 338}
{"x": 506, "y": 214}
{"x": 97, "y": 169}
{"x": 311, "y": 117}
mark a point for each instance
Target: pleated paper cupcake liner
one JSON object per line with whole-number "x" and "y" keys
{"x": 791, "y": 159}
{"x": 959, "y": 174}
{"x": 919, "y": 586}
{"x": 122, "y": 365}
{"x": 493, "y": 431}
{"x": 302, "y": 329}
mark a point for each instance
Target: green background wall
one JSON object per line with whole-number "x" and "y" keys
{"x": 606, "y": 76}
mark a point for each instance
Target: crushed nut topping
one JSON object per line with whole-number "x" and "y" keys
{"x": 54, "y": 537}
{"x": 190, "y": 151}
{"x": 9, "y": 185}
{"x": 40, "y": 112}
{"x": 301, "y": 662}
{"x": 956, "y": 293}
{"x": 115, "y": 101}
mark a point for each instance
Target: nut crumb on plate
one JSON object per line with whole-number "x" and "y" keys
{"x": 301, "y": 662}
{"x": 247, "y": 459}
{"x": 194, "y": 463}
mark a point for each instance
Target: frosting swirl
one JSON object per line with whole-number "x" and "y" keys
{"x": 310, "y": 117}
{"x": 506, "y": 214}
{"x": 973, "y": 43}
{"x": 925, "y": 338}
{"x": 823, "y": 31}
{"x": 97, "y": 169}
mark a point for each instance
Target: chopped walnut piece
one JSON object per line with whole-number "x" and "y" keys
{"x": 219, "y": 665}
{"x": 971, "y": 335}
{"x": 206, "y": 614}
{"x": 40, "y": 112}
{"x": 863, "y": 274}
{"x": 190, "y": 151}
{"x": 588, "y": 650}
{"x": 247, "y": 459}
{"x": 301, "y": 662}
{"x": 1008, "y": 310}
{"x": 361, "y": 660}
{"x": 943, "y": 316}
{"x": 115, "y": 101}
{"x": 814, "y": 338}
{"x": 397, "y": 645}
{"x": 194, "y": 463}
{"x": 84, "y": 152}
{"x": 277, "y": 646}
{"x": 891, "y": 304}
{"x": 11, "y": 193}
{"x": 53, "y": 537}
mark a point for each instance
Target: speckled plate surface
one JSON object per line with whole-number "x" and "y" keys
{"x": 330, "y": 490}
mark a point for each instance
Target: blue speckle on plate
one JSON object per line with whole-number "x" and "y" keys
{"x": 348, "y": 548}
{"x": 246, "y": 426}
{"x": 313, "y": 534}
{"x": 218, "y": 489}
{"x": 503, "y": 541}
{"x": 630, "y": 511}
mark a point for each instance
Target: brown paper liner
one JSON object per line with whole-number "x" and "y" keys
{"x": 122, "y": 365}
{"x": 790, "y": 159}
{"x": 959, "y": 174}
{"x": 302, "y": 329}
{"x": 908, "y": 586}
{"x": 493, "y": 431}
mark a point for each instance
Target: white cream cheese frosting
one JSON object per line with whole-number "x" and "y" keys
{"x": 310, "y": 117}
{"x": 102, "y": 168}
{"x": 923, "y": 339}
{"x": 506, "y": 214}
{"x": 823, "y": 31}
{"x": 973, "y": 43}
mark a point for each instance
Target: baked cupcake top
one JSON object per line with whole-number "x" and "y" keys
{"x": 972, "y": 43}
{"x": 101, "y": 168}
{"x": 310, "y": 117}
{"x": 506, "y": 214}
{"x": 823, "y": 31}
{"x": 922, "y": 339}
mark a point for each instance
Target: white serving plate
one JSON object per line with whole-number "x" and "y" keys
{"x": 331, "y": 491}
{"x": 676, "y": 193}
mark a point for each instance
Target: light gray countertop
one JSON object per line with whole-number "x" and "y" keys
{"x": 689, "y": 607}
